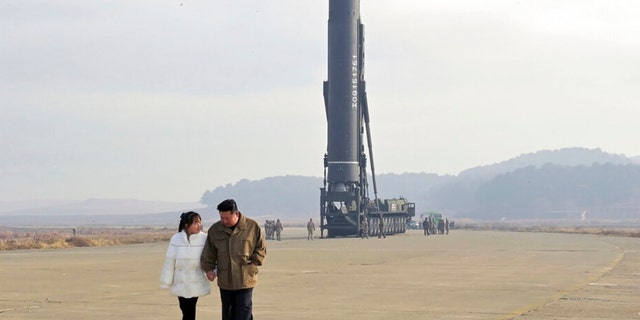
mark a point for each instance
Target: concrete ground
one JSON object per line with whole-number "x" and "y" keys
{"x": 463, "y": 275}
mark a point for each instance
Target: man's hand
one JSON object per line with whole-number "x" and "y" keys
{"x": 211, "y": 275}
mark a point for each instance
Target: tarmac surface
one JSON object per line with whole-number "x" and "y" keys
{"x": 463, "y": 275}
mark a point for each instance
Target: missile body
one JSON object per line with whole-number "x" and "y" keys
{"x": 343, "y": 105}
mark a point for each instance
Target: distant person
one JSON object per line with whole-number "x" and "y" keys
{"x": 446, "y": 226}
{"x": 432, "y": 225}
{"x": 425, "y": 226}
{"x": 234, "y": 249}
{"x": 272, "y": 230}
{"x": 381, "y": 227}
{"x": 181, "y": 271}
{"x": 365, "y": 228}
{"x": 279, "y": 229}
{"x": 311, "y": 227}
{"x": 266, "y": 229}
{"x": 74, "y": 232}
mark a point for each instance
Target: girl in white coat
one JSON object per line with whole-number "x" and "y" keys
{"x": 181, "y": 272}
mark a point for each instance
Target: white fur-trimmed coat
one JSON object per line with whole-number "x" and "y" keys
{"x": 181, "y": 271}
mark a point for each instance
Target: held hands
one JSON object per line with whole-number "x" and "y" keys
{"x": 211, "y": 275}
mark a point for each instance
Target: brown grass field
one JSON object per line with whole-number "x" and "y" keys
{"x": 468, "y": 274}
{"x": 56, "y": 238}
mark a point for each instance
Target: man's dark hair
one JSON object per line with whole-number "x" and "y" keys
{"x": 228, "y": 205}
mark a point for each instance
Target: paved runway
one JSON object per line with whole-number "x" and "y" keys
{"x": 463, "y": 275}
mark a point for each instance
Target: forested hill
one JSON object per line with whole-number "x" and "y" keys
{"x": 560, "y": 191}
{"x": 546, "y": 184}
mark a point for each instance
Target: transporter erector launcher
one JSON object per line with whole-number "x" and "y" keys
{"x": 345, "y": 206}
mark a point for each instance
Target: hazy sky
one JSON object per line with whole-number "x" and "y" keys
{"x": 162, "y": 100}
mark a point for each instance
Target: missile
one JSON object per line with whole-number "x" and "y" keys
{"x": 342, "y": 99}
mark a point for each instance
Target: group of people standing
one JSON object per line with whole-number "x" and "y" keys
{"x": 431, "y": 226}
{"x": 364, "y": 228}
{"x": 231, "y": 252}
{"x": 273, "y": 227}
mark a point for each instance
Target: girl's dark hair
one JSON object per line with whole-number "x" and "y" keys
{"x": 187, "y": 218}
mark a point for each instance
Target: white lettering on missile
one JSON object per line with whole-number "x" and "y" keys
{"x": 354, "y": 82}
